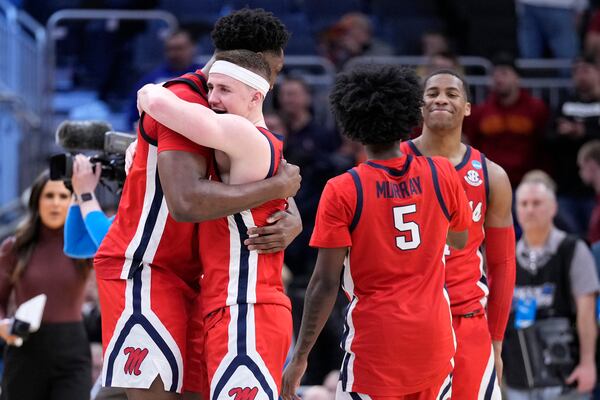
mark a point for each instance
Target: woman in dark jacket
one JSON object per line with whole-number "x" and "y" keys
{"x": 54, "y": 362}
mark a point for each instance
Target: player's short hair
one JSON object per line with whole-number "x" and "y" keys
{"x": 539, "y": 177}
{"x": 453, "y": 73}
{"x": 377, "y": 104}
{"x": 250, "y": 29}
{"x": 246, "y": 59}
{"x": 590, "y": 151}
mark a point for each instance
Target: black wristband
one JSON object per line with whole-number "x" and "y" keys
{"x": 86, "y": 197}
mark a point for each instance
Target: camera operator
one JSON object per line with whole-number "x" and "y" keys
{"x": 53, "y": 363}
{"x": 86, "y": 223}
{"x": 550, "y": 341}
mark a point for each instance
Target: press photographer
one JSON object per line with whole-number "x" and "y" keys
{"x": 85, "y": 136}
{"x": 550, "y": 340}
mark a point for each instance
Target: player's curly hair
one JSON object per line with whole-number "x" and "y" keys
{"x": 377, "y": 104}
{"x": 250, "y": 29}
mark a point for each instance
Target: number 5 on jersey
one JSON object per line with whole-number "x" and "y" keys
{"x": 408, "y": 228}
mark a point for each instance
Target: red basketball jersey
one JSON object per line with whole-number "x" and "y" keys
{"x": 143, "y": 230}
{"x": 232, "y": 273}
{"x": 394, "y": 216}
{"x": 465, "y": 278}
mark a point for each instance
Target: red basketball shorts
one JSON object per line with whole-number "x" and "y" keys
{"x": 442, "y": 390}
{"x": 146, "y": 331}
{"x": 246, "y": 348}
{"x": 474, "y": 374}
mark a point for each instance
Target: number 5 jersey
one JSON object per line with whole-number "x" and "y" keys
{"x": 394, "y": 217}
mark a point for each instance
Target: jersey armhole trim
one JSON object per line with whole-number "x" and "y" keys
{"x": 436, "y": 186}
{"x": 145, "y": 136}
{"x": 486, "y": 181}
{"x": 359, "y": 199}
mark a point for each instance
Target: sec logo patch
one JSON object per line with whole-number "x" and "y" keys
{"x": 472, "y": 177}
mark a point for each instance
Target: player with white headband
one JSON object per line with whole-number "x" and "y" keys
{"x": 247, "y": 314}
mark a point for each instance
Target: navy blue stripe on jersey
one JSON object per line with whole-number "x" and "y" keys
{"x": 413, "y": 147}
{"x": 393, "y": 171}
{"x": 344, "y": 371}
{"x": 465, "y": 159}
{"x": 143, "y": 132}
{"x": 244, "y": 256}
{"x": 490, "y": 387}
{"x": 359, "y": 199}
{"x": 242, "y": 329}
{"x": 436, "y": 186}
{"x": 202, "y": 80}
{"x": 188, "y": 82}
{"x": 446, "y": 389}
{"x": 279, "y": 137}
{"x": 272, "y": 164}
{"x": 486, "y": 181}
{"x": 483, "y": 280}
{"x": 149, "y": 226}
{"x": 355, "y": 396}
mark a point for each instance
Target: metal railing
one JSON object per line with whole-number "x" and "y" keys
{"x": 112, "y": 18}
{"x": 22, "y": 58}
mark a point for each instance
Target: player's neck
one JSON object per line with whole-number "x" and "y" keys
{"x": 385, "y": 151}
{"x": 256, "y": 117}
{"x": 537, "y": 237}
{"x": 445, "y": 144}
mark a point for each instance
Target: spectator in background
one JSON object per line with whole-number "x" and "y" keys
{"x": 434, "y": 42}
{"x": 309, "y": 146}
{"x": 588, "y": 160}
{"x": 313, "y": 149}
{"x": 437, "y": 61}
{"x": 352, "y": 36}
{"x": 554, "y": 304}
{"x": 591, "y": 44}
{"x": 53, "y": 363}
{"x": 510, "y": 125}
{"x": 577, "y": 122}
{"x": 275, "y": 124}
{"x": 180, "y": 52}
{"x": 549, "y": 24}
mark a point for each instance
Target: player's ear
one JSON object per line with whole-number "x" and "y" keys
{"x": 257, "y": 98}
{"x": 467, "y": 109}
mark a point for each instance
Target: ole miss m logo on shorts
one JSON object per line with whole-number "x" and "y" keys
{"x": 135, "y": 357}
{"x": 247, "y": 393}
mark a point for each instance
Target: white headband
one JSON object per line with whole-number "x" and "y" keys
{"x": 241, "y": 74}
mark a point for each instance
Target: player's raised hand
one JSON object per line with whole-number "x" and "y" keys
{"x": 289, "y": 178}
{"x": 291, "y": 378}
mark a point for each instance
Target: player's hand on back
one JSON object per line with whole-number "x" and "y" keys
{"x": 288, "y": 176}
{"x": 291, "y": 378}
{"x": 129, "y": 154}
{"x": 276, "y": 237}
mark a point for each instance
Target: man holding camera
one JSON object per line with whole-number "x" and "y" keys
{"x": 550, "y": 340}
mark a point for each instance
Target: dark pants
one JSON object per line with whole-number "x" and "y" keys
{"x": 53, "y": 364}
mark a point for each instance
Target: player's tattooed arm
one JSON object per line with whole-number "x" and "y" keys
{"x": 192, "y": 198}
{"x": 319, "y": 300}
{"x": 285, "y": 227}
